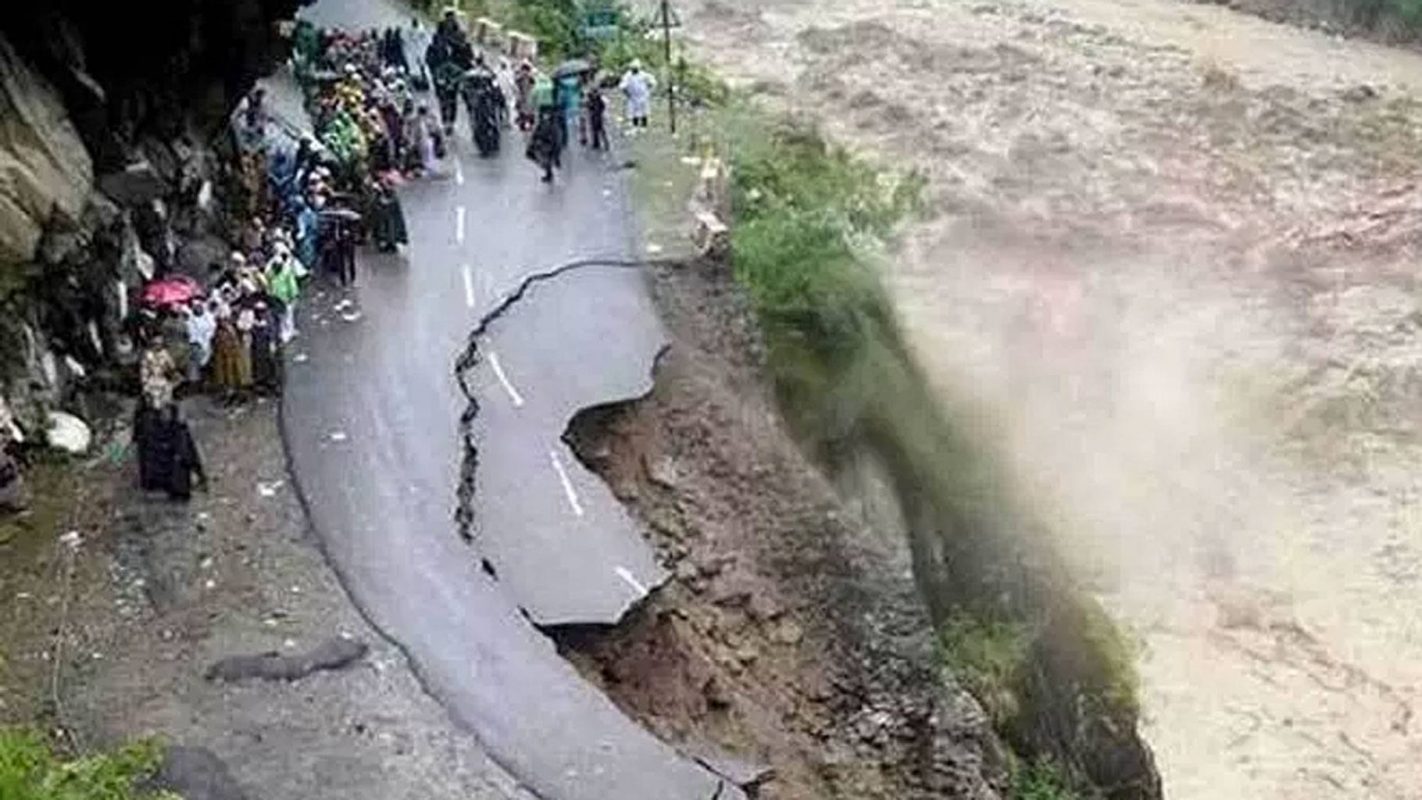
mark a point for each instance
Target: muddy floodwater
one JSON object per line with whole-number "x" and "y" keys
{"x": 1171, "y": 254}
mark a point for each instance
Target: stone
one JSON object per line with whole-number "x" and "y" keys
{"x": 663, "y": 472}
{"x": 68, "y": 433}
{"x": 134, "y": 185}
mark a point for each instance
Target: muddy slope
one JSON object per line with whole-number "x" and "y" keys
{"x": 791, "y": 638}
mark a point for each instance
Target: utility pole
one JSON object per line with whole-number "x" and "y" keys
{"x": 671, "y": 72}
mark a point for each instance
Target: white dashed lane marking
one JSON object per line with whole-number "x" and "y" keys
{"x": 568, "y": 489}
{"x": 504, "y": 379}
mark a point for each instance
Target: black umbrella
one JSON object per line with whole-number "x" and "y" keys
{"x": 573, "y": 66}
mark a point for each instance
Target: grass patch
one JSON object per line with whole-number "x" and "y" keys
{"x": 986, "y": 656}
{"x": 30, "y": 769}
{"x": 1042, "y": 780}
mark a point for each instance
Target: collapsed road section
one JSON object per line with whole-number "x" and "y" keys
{"x": 552, "y": 533}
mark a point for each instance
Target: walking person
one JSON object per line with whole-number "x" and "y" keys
{"x": 596, "y": 112}
{"x": 417, "y": 44}
{"x": 524, "y": 81}
{"x": 543, "y": 145}
{"x": 637, "y": 86}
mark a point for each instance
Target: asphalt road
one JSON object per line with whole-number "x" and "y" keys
{"x": 371, "y": 417}
{"x": 560, "y": 543}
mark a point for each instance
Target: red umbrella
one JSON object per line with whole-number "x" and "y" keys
{"x": 169, "y": 293}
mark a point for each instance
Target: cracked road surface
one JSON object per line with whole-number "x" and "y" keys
{"x": 558, "y": 540}
{"x": 371, "y": 418}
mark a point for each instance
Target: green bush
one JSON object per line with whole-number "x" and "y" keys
{"x": 553, "y": 22}
{"x": 986, "y": 655}
{"x": 30, "y": 770}
{"x": 1041, "y": 780}
{"x": 806, "y": 213}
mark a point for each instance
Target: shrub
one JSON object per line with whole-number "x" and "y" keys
{"x": 986, "y": 655}
{"x": 30, "y": 770}
{"x": 1041, "y": 780}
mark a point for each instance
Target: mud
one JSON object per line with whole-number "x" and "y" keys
{"x": 1171, "y": 258}
{"x": 791, "y": 637}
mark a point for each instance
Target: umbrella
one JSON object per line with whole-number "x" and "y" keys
{"x": 340, "y": 215}
{"x": 171, "y": 292}
{"x": 575, "y": 66}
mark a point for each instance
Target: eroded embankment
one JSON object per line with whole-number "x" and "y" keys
{"x": 790, "y": 650}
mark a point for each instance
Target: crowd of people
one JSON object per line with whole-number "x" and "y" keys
{"x": 309, "y": 199}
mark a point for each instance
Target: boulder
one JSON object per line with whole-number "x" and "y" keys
{"x": 68, "y": 433}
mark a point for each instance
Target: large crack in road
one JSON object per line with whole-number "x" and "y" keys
{"x": 582, "y": 560}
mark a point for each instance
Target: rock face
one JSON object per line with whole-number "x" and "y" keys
{"x": 111, "y": 123}
{"x": 45, "y": 170}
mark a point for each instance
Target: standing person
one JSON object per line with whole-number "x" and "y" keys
{"x": 523, "y": 93}
{"x": 344, "y": 244}
{"x": 387, "y": 217}
{"x": 184, "y": 461}
{"x": 148, "y": 436}
{"x": 504, "y": 82}
{"x": 231, "y": 362}
{"x": 483, "y": 109}
{"x": 157, "y": 373}
{"x": 596, "y": 107}
{"x": 570, "y": 100}
{"x": 637, "y": 87}
{"x": 201, "y": 328}
{"x": 283, "y": 282}
{"x": 262, "y": 338}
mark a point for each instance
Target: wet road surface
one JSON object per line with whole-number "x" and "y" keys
{"x": 371, "y": 417}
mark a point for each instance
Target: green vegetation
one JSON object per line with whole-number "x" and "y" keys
{"x": 986, "y": 656}
{"x": 1044, "y": 660}
{"x": 1041, "y": 780}
{"x": 557, "y": 24}
{"x": 31, "y": 770}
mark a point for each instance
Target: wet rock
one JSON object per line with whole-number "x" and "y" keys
{"x": 332, "y": 654}
{"x": 135, "y": 184}
{"x": 48, "y": 171}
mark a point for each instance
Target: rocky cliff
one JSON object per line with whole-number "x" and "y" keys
{"x": 111, "y": 125}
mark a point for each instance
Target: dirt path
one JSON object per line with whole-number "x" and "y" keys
{"x": 1171, "y": 251}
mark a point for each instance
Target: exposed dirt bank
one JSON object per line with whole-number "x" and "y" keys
{"x": 1171, "y": 257}
{"x": 792, "y": 635}
{"x": 113, "y": 641}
